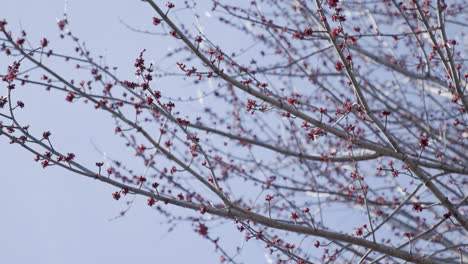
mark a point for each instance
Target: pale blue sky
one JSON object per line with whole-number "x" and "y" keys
{"x": 52, "y": 216}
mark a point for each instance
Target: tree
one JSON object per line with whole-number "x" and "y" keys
{"x": 319, "y": 106}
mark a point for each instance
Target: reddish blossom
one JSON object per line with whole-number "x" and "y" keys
{"x": 151, "y": 201}
{"x": 116, "y": 195}
{"x": 44, "y": 42}
{"x": 202, "y": 229}
{"x": 170, "y": 5}
{"x": 202, "y": 209}
{"x": 46, "y": 135}
{"x": 156, "y": 21}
